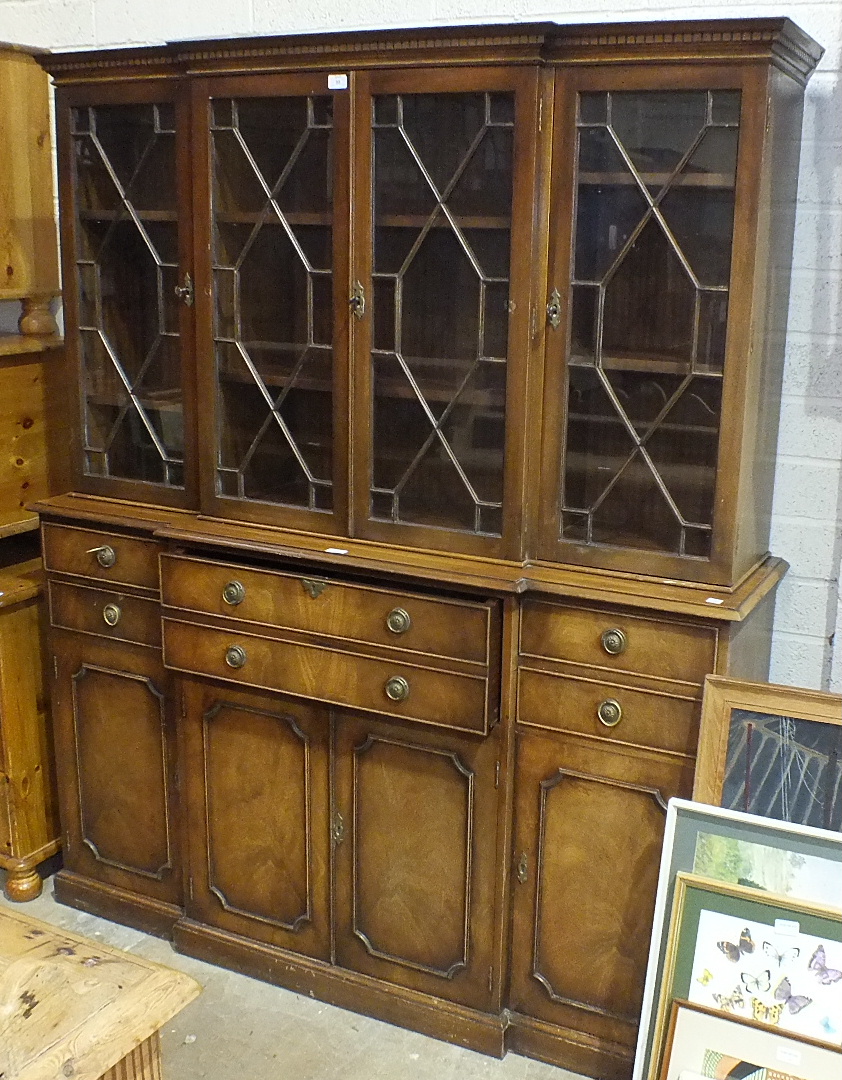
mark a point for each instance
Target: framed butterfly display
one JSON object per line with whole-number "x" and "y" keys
{"x": 753, "y": 957}
{"x": 702, "y": 1043}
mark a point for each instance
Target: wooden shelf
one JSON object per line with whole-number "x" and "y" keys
{"x": 644, "y": 365}
{"x": 123, "y": 215}
{"x": 722, "y": 181}
{"x": 24, "y": 344}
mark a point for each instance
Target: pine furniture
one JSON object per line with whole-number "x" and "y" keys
{"x": 428, "y": 393}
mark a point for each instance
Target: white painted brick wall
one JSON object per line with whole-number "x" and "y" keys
{"x": 807, "y": 526}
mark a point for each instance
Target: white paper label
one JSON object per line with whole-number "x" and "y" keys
{"x": 787, "y": 927}
{"x": 714, "y": 600}
{"x": 789, "y": 1055}
{"x": 336, "y": 551}
{"x": 337, "y": 82}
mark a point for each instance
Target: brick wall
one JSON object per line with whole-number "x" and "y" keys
{"x": 807, "y": 526}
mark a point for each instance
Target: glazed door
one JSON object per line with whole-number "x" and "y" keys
{"x": 256, "y": 791}
{"x": 128, "y": 288}
{"x": 115, "y": 759}
{"x": 642, "y": 349}
{"x": 272, "y": 231}
{"x": 442, "y": 267}
{"x": 414, "y": 828}
{"x": 588, "y": 832}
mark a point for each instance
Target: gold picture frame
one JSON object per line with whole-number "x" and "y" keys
{"x": 771, "y": 750}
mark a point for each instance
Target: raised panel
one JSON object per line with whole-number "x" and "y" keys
{"x": 416, "y": 858}
{"x": 587, "y": 842}
{"x": 118, "y": 720}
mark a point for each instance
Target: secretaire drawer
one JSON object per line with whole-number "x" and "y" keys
{"x": 666, "y": 649}
{"x": 104, "y": 613}
{"x": 105, "y": 556}
{"x": 608, "y": 712}
{"x": 401, "y": 620}
{"x": 360, "y": 682}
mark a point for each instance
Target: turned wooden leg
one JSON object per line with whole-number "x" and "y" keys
{"x": 22, "y": 885}
{"x": 36, "y": 319}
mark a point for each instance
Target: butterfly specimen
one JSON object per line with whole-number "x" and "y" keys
{"x": 705, "y": 977}
{"x": 828, "y": 1025}
{"x": 768, "y": 1014}
{"x": 730, "y": 1002}
{"x": 757, "y": 984}
{"x": 818, "y": 965}
{"x": 794, "y": 1002}
{"x": 780, "y": 958}
{"x": 734, "y": 952}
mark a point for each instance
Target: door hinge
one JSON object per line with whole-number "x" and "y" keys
{"x": 490, "y": 979}
{"x": 496, "y": 774}
{"x": 55, "y": 668}
{"x": 190, "y": 886}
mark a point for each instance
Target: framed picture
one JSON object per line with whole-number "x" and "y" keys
{"x": 701, "y": 1043}
{"x": 771, "y": 750}
{"x": 737, "y": 848}
{"x": 751, "y": 955}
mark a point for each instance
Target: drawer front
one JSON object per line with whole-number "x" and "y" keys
{"x": 660, "y": 648}
{"x": 608, "y": 712}
{"x": 360, "y": 682}
{"x": 102, "y": 556}
{"x": 401, "y": 620}
{"x": 106, "y": 614}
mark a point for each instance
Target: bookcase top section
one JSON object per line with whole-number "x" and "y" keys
{"x": 774, "y": 40}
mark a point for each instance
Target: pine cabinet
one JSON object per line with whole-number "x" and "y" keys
{"x": 428, "y": 392}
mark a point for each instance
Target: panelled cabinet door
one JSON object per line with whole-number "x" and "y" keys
{"x": 647, "y": 306}
{"x": 272, "y": 232}
{"x": 414, "y": 833}
{"x": 115, "y": 758}
{"x": 256, "y": 788}
{"x": 129, "y": 291}
{"x": 588, "y": 833}
{"x": 441, "y": 269}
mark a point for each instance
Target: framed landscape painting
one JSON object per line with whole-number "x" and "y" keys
{"x": 771, "y": 750}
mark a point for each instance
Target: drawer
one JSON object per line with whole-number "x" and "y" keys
{"x": 360, "y": 682}
{"x": 574, "y": 705}
{"x": 102, "y": 556}
{"x": 106, "y": 614}
{"x": 658, "y": 647}
{"x": 402, "y": 620}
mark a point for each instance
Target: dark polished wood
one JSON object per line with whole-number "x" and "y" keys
{"x": 477, "y": 414}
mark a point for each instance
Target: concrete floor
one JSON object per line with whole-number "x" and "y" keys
{"x": 239, "y": 1026}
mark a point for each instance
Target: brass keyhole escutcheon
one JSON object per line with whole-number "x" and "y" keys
{"x": 105, "y": 555}
{"x": 398, "y": 620}
{"x": 614, "y": 641}
{"x": 234, "y": 593}
{"x": 610, "y": 712}
{"x": 111, "y": 614}
{"x": 235, "y": 656}
{"x": 523, "y": 869}
{"x": 397, "y": 688}
{"x": 338, "y": 828}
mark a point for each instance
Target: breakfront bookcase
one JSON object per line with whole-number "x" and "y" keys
{"x": 428, "y": 394}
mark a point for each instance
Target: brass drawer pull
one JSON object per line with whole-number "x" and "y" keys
{"x": 234, "y": 593}
{"x": 398, "y": 620}
{"x": 111, "y": 614}
{"x": 106, "y": 556}
{"x": 614, "y": 642}
{"x": 610, "y": 712}
{"x": 235, "y": 656}
{"x": 397, "y": 688}
{"x": 313, "y": 587}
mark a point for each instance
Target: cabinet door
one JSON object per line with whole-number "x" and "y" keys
{"x": 588, "y": 832}
{"x": 651, "y": 232}
{"x": 256, "y": 788}
{"x": 443, "y": 261}
{"x": 272, "y": 307}
{"x": 128, "y": 287}
{"x": 415, "y": 839}
{"x": 115, "y": 758}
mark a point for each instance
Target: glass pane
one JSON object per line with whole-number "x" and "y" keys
{"x": 127, "y": 269}
{"x": 273, "y": 297}
{"x": 440, "y": 308}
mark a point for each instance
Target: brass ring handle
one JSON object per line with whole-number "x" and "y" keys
{"x": 106, "y": 556}
{"x": 235, "y": 656}
{"x": 398, "y": 620}
{"x": 614, "y": 641}
{"x": 111, "y": 614}
{"x": 233, "y": 593}
{"x": 397, "y": 688}
{"x": 609, "y": 712}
